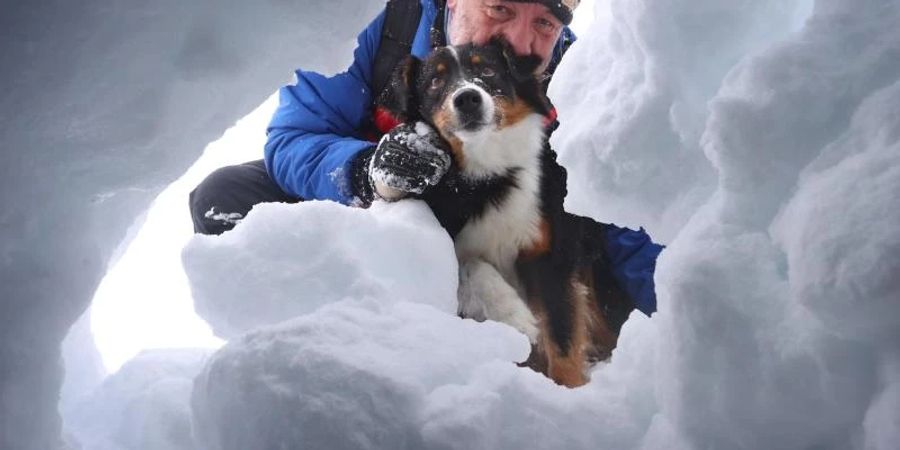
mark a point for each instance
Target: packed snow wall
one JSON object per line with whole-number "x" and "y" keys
{"x": 103, "y": 104}
{"x": 777, "y": 197}
{"x": 760, "y": 141}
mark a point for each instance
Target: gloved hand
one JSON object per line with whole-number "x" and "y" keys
{"x": 407, "y": 160}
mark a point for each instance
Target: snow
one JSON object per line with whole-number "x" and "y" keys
{"x": 353, "y": 374}
{"x": 143, "y": 406}
{"x": 144, "y": 301}
{"x": 758, "y": 139}
{"x": 287, "y": 260}
{"x": 632, "y": 98}
{"x": 764, "y": 150}
{"x": 103, "y": 105}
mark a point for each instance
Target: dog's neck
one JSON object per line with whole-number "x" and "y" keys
{"x": 512, "y": 223}
{"x": 494, "y": 153}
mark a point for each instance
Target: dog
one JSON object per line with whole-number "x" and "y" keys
{"x": 523, "y": 260}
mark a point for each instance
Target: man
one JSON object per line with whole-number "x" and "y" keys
{"x": 318, "y": 146}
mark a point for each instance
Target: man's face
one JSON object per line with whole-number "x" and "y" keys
{"x": 530, "y": 28}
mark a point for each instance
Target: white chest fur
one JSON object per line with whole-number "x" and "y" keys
{"x": 498, "y": 235}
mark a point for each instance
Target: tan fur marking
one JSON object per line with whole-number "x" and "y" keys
{"x": 591, "y": 341}
{"x": 541, "y": 245}
{"x": 443, "y": 121}
{"x": 476, "y": 59}
{"x": 441, "y": 68}
{"x": 603, "y": 340}
{"x": 569, "y": 369}
{"x": 566, "y": 370}
{"x": 537, "y": 360}
{"x": 406, "y": 69}
{"x": 512, "y": 112}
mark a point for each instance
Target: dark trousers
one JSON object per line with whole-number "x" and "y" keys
{"x": 227, "y": 195}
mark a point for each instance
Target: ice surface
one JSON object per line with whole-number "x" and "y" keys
{"x": 103, "y": 104}
{"x": 286, "y": 260}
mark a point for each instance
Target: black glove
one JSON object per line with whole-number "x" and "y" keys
{"x": 407, "y": 160}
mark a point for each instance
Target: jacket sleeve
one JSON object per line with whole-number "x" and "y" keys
{"x": 633, "y": 258}
{"x": 316, "y": 132}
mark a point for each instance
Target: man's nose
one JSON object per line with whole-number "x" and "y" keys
{"x": 520, "y": 37}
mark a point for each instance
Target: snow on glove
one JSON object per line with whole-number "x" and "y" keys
{"x": 408, "y": 160}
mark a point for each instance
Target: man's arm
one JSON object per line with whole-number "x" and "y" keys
{"x": 316, "y": 132}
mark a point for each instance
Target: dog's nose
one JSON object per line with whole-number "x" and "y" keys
{"x": 467, "y": 101}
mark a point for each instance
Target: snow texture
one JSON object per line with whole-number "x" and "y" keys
{"x": 353, "y": 374}
{"x": 143, "y": 406}
{"x": 84, "y": 366}
{"x": 105, "y": 103}
{"x": 766, "y": 150}
{"x": 287, "y": 260}
{"x": 632, "y": 98}
{"x": 762, "y": 148}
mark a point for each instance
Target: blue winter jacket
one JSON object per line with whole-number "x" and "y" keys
{"x": 318, "y": 130}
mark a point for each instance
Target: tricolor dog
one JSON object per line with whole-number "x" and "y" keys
{"x": 522, "y": 259}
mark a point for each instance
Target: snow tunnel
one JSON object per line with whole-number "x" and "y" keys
{"x": 758, "y": 140}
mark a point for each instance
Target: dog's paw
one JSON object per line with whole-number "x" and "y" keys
{"x": 470, "y": 305}
{"x": 521, "y": 319}
{"x": 484, "y": 294}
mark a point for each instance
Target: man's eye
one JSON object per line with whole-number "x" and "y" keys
{"x": 545, "y": 25}
{"x": 436, "y": 83}
{"x": 487, "y": 72}
{"x": 499, "y": 12}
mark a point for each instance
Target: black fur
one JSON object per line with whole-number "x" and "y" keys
{"x": 577, "y": 243}
{"x": 399, "y": 97}
{"x": 416, "y": 91}
{"x": 457, "y": 200}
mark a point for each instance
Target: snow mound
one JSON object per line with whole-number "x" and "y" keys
{"x": 632, "y": 96}
{"x": 352, "y": 375}
{"x": 143, "y": 406}
{"x": 778, "y": 293}
{"x": 287, "y": 260}
{"x": 779, "y": 298}
{"x": 378, "y": 374}
{"x": 105, "y": 103}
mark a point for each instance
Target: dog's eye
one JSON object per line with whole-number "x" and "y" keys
{"x": 487, "y": 72}
{"x": 436, "y": 83}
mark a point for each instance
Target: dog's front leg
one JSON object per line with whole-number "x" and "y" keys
{"x": 484, "y": 294}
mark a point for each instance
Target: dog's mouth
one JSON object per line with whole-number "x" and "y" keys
{"x": 472, "y": 124}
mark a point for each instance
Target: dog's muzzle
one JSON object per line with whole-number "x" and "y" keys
{"x": 470, "y": 109}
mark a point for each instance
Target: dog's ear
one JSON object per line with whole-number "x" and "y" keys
{"x": 398, "y": 96}
{"x": 522, "y": 69}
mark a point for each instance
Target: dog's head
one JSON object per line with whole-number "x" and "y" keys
{"x": 467, "y": 92}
